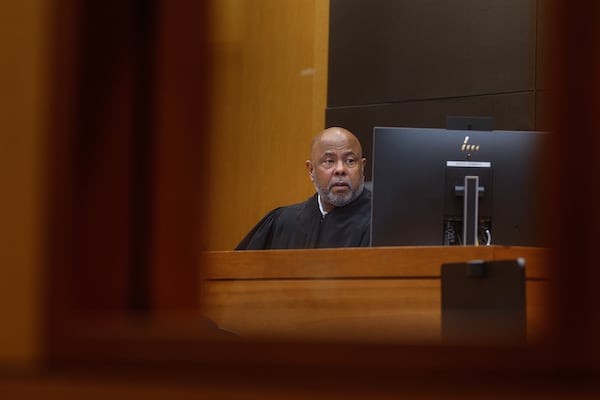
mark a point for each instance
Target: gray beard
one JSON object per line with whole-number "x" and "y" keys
{"x": 340, "y": 200}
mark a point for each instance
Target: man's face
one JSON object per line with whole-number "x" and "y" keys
{"x": 336, "y": 169}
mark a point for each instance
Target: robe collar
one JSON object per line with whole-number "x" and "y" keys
{"x": 323, "y": 212}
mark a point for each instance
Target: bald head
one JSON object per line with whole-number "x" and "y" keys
{"x": 336, "y": 167}
{"x": 331, "y": 136}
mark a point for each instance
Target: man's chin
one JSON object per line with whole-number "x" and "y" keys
{"x": 340, "y": 201}
{"x": 344, "y": 198}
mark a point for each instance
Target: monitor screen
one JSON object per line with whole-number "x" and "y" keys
{"x": 419, "y": 186}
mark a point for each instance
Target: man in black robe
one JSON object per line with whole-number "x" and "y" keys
{"x": 337, "y": 215}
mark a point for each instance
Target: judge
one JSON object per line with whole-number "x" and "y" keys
{"x": 337, "y": 215}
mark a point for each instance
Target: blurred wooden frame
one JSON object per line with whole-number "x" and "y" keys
{"x": 129, "y": 103}
{"x": 98, "y": 319}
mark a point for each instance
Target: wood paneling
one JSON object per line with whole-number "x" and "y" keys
{"x": 370, "y": 310}
{"x": 269, "y": 85}
{"x": 336, "y": 310}
{"x": 383, "y": 294}
{"x": 385, "y": 51}
{"x": 24, "y": 43}
{"x": 400, "y": 262}
{"x": 413, "y": 63}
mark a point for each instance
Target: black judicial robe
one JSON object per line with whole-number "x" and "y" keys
{"x": 301, "y": 226}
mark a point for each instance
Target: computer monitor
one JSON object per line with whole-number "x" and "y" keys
{"x": 419, "y": 186}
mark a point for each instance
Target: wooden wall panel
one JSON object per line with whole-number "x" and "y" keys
{"x": 392, "y": 51}
{"x": 269, "y": 85}
{"x": 413, "y": 63}
{"x": 24, "y": 43}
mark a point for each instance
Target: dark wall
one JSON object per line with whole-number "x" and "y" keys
{"x": 415, "y": 62}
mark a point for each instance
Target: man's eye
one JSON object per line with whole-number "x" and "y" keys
{"x": 350, "y": 161}
{"x": 328, "y": 162}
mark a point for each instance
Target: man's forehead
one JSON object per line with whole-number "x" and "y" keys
{"x": 336, "y": 143}
{"x": 336, "y": 150}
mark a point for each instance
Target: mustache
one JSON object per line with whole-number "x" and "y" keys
{"x": 342, "y": 181}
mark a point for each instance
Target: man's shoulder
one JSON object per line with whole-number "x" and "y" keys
{"x": 309, "y": 203}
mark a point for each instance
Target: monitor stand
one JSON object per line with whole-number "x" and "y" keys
{"x": 470, "y": 211}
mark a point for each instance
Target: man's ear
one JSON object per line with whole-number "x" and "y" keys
{"x": 311, "y": 170}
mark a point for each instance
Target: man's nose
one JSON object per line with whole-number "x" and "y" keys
{"x": 340, "y": 167}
